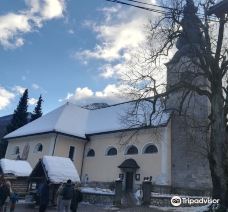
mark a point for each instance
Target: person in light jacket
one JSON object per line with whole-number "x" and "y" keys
{"x": 59, "y": 197}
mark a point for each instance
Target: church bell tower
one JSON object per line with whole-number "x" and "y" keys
{"x": 190, "y": 169}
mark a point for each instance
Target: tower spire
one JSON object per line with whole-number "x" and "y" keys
{"x": 191, "y": 27}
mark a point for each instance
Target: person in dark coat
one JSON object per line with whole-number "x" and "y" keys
{"x": 76, "y": 199}
{"x": 4, "y": 192}
{"x": 44, "y": 196}
{"x": 67, "y": 194}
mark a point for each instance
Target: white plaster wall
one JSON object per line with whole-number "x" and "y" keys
{"x": 47, "y": 140}
{"x": 62, "y": 148}
{"x": 102, "y": 168}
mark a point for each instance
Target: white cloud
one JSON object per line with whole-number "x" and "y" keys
{"x": 116, "y": 40}
{"x": 32, "y": 101}
{"x": 19, "y": 89}
{"x": 5, "y": 97}
{"x": 109, "y": 70}
{"x": 14, "y": 25}
{"x": 71, "y": 31}
{"x": 119, "y": 35}
{"x": 52, "y": 9}
{"x": 110, "y": 94}
{"x": 35, "y": 86}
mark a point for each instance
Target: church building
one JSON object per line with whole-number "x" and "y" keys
{"x": 105, "y": 144}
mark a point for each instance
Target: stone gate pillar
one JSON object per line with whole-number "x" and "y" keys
{"x": 146, "y": 189}
{"x": 118, "y": 192}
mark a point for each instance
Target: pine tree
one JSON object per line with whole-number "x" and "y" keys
{"x": 38, "y": 109}
{"x": 20, "y": 114}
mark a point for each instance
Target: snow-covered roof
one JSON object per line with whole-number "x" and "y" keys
{"x": 76, "y": 121}
{"x": 18, "y": 168}
{"x": 68, "y": 119}
{"x": 60, "y": 169}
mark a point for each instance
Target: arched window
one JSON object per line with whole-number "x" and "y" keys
{"x": 91, "y": 153}
{"x": 132, "y": 150}
{"x": 111, "y": 151}
{"x": 38, "y": 148}
{"x": 16, "y": 150}
{"x": 150, "y": 149}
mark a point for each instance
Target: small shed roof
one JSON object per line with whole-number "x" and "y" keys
{"x": 18, "y": 168}
{"x": 56, "y": 170}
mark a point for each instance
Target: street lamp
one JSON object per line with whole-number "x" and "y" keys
{"x": 219, "y": 9}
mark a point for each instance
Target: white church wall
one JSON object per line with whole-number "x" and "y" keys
{"x": 103, "y": 168}
{"x": 47, "y": 141}
{"x": 62, "y": 147}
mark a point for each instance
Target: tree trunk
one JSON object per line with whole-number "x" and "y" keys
{"x": 217, "y": 153}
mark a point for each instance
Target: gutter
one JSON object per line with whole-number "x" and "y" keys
{"x": 83, "y": 157}
{"x": 55, "y": 144}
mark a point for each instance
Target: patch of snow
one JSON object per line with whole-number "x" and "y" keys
{"x": 181, "y": 209}
{"x": 154, "y": 194}
{"x": 60, "y": 169}
{"x": 97, "y": 190}
{"x": 138, "y": 196}
{"x": 69, "y": 119}
{"x": 18, "y": 168}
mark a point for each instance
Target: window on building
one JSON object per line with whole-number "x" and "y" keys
{"x": 71, "y": 152}
{"x": 111, "y": 151}
{"x": 16, "y": 150}
{"x": 150, "y": 149}
{"x": 91, "y": 153}
{"x": 132, "y": 150}
{"x": 38, "y": 148}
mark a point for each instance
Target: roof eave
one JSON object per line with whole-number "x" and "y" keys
{"x": 129, "y": 129}
{"x": 43, "y": 133}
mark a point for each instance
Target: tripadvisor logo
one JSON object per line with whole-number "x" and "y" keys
{"x": 177, "y": 201}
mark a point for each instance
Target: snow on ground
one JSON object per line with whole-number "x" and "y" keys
{"x": 181, "y": 209}
{"x": 60, "y": 169}
{"x": 97, "y": 190}
{"x": 19, "y": 168}
{"x": 153, "y": 194}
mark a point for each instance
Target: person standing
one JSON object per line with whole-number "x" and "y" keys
{"x": 44, "y": 196}
{"x": 13, "y": 200}
{"x": 77, "y": 197}
{"x": 7, "y": 201}
{"x": 59, "y": 197}
{"x": 67, "y": 194}
{"x": 4, "y": 193}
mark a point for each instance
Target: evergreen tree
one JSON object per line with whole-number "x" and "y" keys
{"x": 37, "y": 113}
{"x": 20, "y": 114}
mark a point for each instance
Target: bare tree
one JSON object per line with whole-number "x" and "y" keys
{"x": 196, "y": 42}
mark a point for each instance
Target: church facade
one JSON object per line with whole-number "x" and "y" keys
{"x": 102, "y": 150}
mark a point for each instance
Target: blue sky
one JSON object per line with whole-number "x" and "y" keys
{"x": 66, "y": 50}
